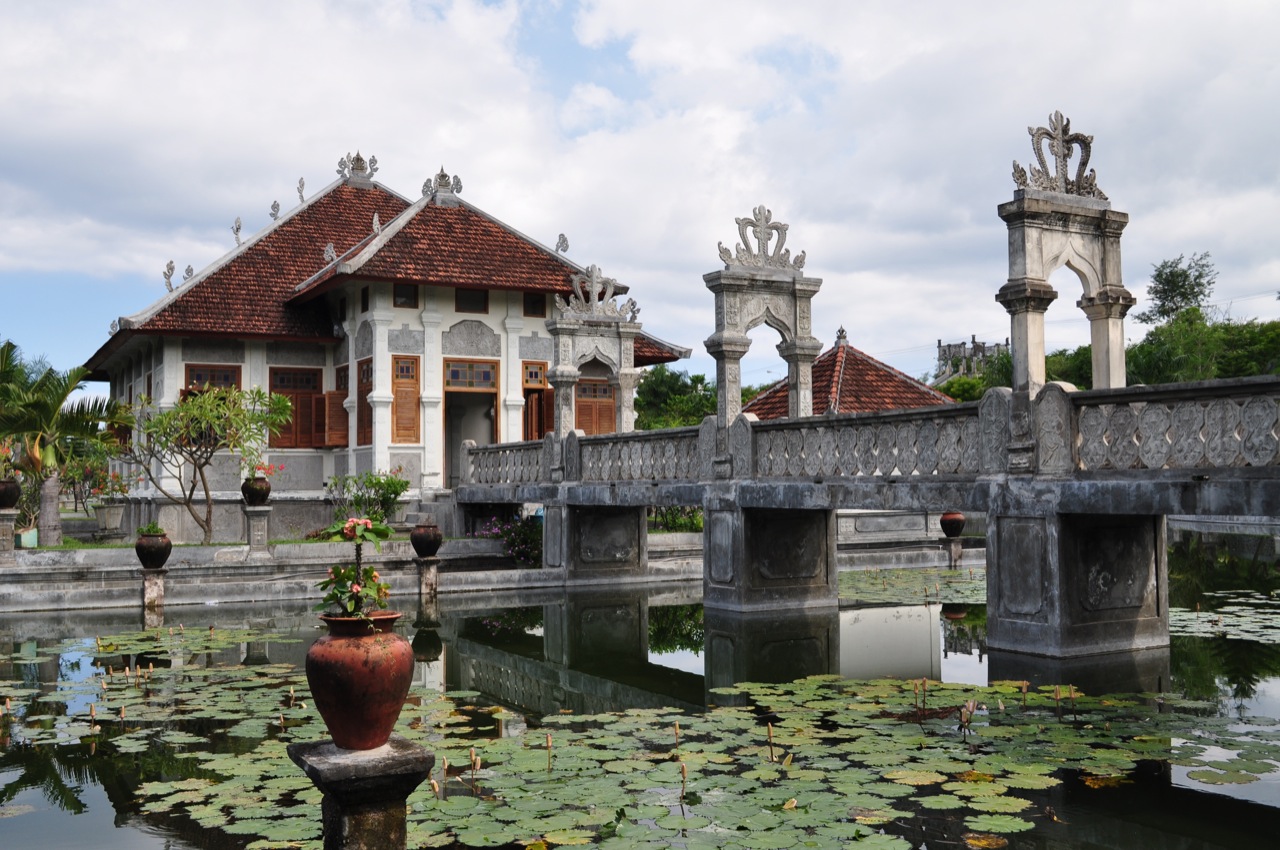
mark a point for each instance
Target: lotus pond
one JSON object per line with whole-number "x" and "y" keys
{"x": 583, "y": 720}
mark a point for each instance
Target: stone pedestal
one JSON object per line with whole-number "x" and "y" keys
{"x": 364, "y": 790}
{"x": 153, "y": 588}
{"x": 428, "y": 578}
{"x": 1066, "y": 585}
{"x": 954, "y": 549}
{"x": 8, "y": 520}
{"x": 257, "y": 520}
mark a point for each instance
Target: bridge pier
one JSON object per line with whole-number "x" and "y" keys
{"x": 769, "y": 647}
{"x": 1067, "y": 585}
{"x": 758, "y": 559}
{"x": 593, "y": 542}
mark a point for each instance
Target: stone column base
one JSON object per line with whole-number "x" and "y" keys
{"x": 257, "y": 521}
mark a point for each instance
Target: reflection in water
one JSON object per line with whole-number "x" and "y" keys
{"x": 594, "y": 651}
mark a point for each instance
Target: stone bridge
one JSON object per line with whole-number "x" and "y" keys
{"x": 1075, "y": 485}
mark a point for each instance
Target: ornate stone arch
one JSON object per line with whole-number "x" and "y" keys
{"x": 762, "y": 285}
{"x": 1056, "y": 220}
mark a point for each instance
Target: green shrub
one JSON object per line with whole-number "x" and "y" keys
{"x": 372, "y": 494}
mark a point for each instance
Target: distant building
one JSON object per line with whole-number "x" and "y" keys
{"x": 846, "y": 380}
{"x": 965, "y": 358}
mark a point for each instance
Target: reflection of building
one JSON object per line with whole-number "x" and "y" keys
{"x": 846, "y": 380}
{"x": 398, "y": 328}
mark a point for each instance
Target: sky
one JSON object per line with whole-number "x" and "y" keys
{"x": 882, "y": 133}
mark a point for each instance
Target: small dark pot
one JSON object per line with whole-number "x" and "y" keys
{"x": 952, "y": 523}
{"x": 426, "y": 539}
{"x": 256, "y": 491}
{"x": 427, "y": 646}
{"x": 153, "y": 550}
{"x": 10, "y": 493}
{"x": 954, "y": 610}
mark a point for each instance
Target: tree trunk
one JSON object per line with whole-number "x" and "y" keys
{"x": 50, "y": 520}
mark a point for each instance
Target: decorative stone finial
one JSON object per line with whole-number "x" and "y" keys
{"x": 841, "y": 337}
{"x": 426, "y": 187}
{"x": 1061, "y": 140}
{"x": 377, "y": 224}
{"x": 373, "y": 165}
{"x": 168, "y": 276}
{"x": 764, "y": 228}
{"x": 562, "y": 244}
{"x": 302, "y": 184}
{"x": 358, "y": 165}
{"x": 235, "y": 231}
{"x": 188, "y": 273}
{"x": 593, "y": 298}
{"x": 443, "y": 183}
{"x": 457, "y": 185}
{"x": 330, "y": 255}
{"x": 275, "y": 210}
{"x": 115, "y": 326}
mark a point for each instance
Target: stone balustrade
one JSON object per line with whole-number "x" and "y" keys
{"x": 667, "y": 455}
{"x": 505, "y": 463}
{"x": 1211, "y": 424}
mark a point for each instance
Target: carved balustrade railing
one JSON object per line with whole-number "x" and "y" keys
{"x": 1214, "y": 424}
{"x": 929, "y": 441}
{"x": 667, "y": 455}
{"x": 504, "y": 463}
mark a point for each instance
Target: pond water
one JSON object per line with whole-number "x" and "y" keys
{"x": 185, "y": 749}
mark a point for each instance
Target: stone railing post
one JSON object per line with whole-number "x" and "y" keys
{"x": 466, "y": 475}
{"x": 711, "y": 464}
{"x": 551, "y": 464}
{"x": 742, "y": 446}
{"x": 1054, "y": 435}
{"x": 573, "y": 456}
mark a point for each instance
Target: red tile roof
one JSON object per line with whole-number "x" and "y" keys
{"x": 246, "y": 296}
{"x": 454, "y": 244}
{"x": 650, "y": 351}
{"x": 846, "y": 380}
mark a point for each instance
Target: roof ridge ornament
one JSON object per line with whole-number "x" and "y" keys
{"x": 593, "y": 298}
{"x": 188, "y": 273}
{"x": 168, "y": 276}
{"x": 764, "y": 229}
{"x": 330, "y": 255}
{"x": 302, "y": 184}
{"x": 275, "y": 210}
{"x": 562, "y": 244}
{"x": 377, "y": 224}
{"x": 344, "y": 166}
{"x": 1061, "y": 140}
{"x": 235, "y": 231}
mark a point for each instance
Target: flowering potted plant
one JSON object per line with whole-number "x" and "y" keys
{"x": 256, "y": 488}
{"x": 360, "y": 672}
{"x": 153, "y": 546}
{"x": 106, "y": 491}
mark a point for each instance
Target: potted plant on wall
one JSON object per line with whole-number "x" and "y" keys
{"x": 107, "y": 493}
{"x": 359, "y": 673}
{"x": 153, "y": 546}
{"x": 256, "y": 488}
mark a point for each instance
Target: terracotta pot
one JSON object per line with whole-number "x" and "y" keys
{"x": 426, "y": 539}
{"x": 954, "y": 610}
{"x": 952, "y": 523}
{"x": 153, "y": 550}
{"x": 427, "y": 646}
{"x": 10, "y": 493}
{"x": 256, "y": 491}
{"x": 359, "y": 676}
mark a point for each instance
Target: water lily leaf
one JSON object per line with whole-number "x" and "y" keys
{"x": 1222, "y": 777}
{"x": 997, "y": 823}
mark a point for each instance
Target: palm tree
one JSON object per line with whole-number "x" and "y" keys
{"x": 38, "y": 411}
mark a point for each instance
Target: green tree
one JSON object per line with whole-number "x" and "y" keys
{"x": 1177, "y": 285}
{"x": 179, "y": 444}
{"x": 670, "y": 399}
{"x": 1074, "y": 367}
{"x": 1186, "y": 348}
{"x": 39, "y": 412}
{"x": 963, "y": 388}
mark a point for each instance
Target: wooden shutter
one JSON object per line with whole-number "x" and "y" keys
{"x": 336, "y": 424}
{"x": 405, "y": 416}
{"x": 594, "y": 408}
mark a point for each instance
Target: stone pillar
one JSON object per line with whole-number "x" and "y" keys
{"x": 728, "y": 349}
{"x": 799, "y": 356}
{"x": 380, "y": 397}
{"x": 364, "y": 791}
{"x": 257, "y": 521}
{"x": 153, "y": 597}
{"x": 432, "y": 399}
{"x": 8, "y": 521}
{"x": 605, "y": 543}
{"x": 428, "y": 579}
{"x": 1106, "y": 312}
{"x": 1026, "y": 300}
{"x": 564, "y": 381}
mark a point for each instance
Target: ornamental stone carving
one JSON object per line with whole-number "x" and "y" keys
{"x": 1060, "y": 141}
{"x": 364, "y": 341}
{"x": 1053, "y": 430}
{"x": 762, "y": 226}
{"x": 993, "y": 415}
{"x": 593, "y": 298}
{"x": 536, "y": 348}
{"x": 470, "y": 338}
{"x": 402, "y": 340}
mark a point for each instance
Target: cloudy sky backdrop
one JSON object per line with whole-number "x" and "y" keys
{"x": 882, "y": 132}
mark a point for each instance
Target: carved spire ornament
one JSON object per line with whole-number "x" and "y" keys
{"x": 562, "y": 244}
{"x": 593, "y": 298}
{"x": 168, "y": 276}
{"x": 1061, "y": 141}
{"x": 373, "y": 165}
{"x": 302, "y": 184}
{"x": 426, "y": 187}
{"x": 235, "y": 231}
{"x": 344, "y": 167}
{"x": 457, "y": 185}
{"x": 275, "y": 210}
{"x": 762, "y": 226}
